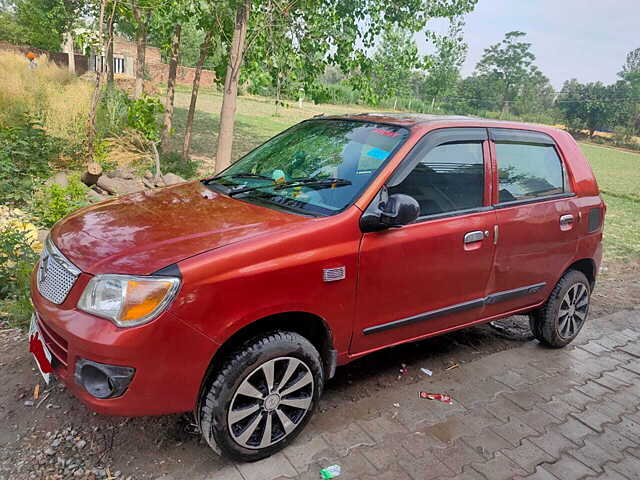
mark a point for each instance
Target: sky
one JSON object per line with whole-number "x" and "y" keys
{"x": 584, "y": 39}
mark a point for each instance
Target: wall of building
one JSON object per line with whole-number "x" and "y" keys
{"x": 59, "y": 58}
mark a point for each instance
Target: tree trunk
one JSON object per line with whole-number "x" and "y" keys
{"x": 141, "y": 47}
{"x": 109, "y": 56}
{"x": 97, "y": 92}
{"x": 230, "y": 94}
{"x": 171, "y": 87}
{"x": 91, "y": 174}
{"x": 204, "y": 51}
{"x": 71, "y": 55}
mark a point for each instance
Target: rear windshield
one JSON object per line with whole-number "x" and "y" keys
{"x": 317, "y": 166}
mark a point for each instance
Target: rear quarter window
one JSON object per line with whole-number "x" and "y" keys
{"x": 528, "y": 171}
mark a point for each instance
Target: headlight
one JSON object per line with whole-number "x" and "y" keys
{"x": 126, "y": 300}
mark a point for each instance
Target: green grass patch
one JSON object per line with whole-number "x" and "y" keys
{"x": 618, "y": 175}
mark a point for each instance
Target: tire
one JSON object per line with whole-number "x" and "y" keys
{"x": 558, "y": 322}
{"x": 241, "y": 402}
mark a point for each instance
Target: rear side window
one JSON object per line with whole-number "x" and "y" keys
{"x": 449, "y": 177}
{"x": 528, "y": 171}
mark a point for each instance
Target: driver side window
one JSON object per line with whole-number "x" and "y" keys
{"x": 448, "y": 178}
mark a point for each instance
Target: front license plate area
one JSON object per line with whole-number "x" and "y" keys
{"x": 39, "y": 350}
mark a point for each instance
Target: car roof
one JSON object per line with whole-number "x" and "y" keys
{"x": 406, "y": 119}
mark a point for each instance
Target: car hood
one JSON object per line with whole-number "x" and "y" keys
{"x": 143, "y": 232}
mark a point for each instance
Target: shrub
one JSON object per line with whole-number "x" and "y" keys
{"x": 142, "y": 116}
{"x": 54, "y": 202}
{"x": 112, "y": 113}
{"x": 174, "y": 163}
{"x": 18, "y": 254}
{"x": 25, "y": 153}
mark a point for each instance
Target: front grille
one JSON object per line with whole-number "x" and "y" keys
{"x": 56, "y": 275}
{"x": 57, "y": 345}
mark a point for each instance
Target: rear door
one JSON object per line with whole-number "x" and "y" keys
{"x": 536, "y": 219}
{"x": 431, "y": 275}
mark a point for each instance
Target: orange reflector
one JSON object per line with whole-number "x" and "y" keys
{"x": 143, "y": 298}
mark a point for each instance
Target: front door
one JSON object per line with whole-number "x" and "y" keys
{"x": 430, "y": 276}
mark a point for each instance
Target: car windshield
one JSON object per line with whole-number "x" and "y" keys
{"x": 317, "y": 167}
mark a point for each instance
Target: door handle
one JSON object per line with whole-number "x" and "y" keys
{"x": 566, "y": 220}
{"x": 472, "y": 237}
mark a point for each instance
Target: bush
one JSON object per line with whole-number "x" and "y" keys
{"x": 25, "y": 153}
{"x": 142, "y": 116}
{"x": 18, "y": 255}
{"x": 54, "y": 202}
{"x": 112, "y": 113}
{"x": 174, "y": 163}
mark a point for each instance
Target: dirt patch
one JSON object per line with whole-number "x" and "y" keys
{"x": 56, "y": 437}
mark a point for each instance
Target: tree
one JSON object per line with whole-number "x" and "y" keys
{"x": 330, "y": 32}
{"x": 508, "y": 65}
{"x": 393, "y": 63}
{"x": 171, "y": 86}
{"x": 445, "y": 64}
{"x": 586, "y": 106}
{"x": 630, "y": 75}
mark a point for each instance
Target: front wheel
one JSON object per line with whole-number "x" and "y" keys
{"x": 262, "y": 397}
{"x": 561, "y": 318}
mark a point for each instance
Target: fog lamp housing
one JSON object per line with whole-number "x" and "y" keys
{"x": 101, "y": 380}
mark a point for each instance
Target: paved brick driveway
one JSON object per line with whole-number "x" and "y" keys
{"x": 527, "y": 412}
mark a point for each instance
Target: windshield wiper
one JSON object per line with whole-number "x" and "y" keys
{"x": 317, "y": 183}
{"x": 238, "y": 175}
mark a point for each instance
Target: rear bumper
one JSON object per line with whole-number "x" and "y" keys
{"x": 169, "y": 357}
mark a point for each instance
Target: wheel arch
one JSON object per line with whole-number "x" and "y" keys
{"x": 311, "y": 326}
{"x": 586, "y": 266}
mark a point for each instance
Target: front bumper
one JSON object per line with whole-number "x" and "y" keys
{"x": 169, "y": 357}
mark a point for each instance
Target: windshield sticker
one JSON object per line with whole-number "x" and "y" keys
{"x": 386, "y": 133}
{"x": 378, "y": 153}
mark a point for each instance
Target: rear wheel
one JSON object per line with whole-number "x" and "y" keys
{"x": 262, "y": 397}
{"x": 562, "y": 317}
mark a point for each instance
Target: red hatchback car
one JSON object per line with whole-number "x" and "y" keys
{"x": 238, "y": 295}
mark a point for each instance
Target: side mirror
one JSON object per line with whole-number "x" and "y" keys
{"x": 398, "y": 209}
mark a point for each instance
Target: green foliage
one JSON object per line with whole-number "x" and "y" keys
{"x": 174, "y": 163}
{"x": 586, "y": 106}
{"x": 17, "y": 258}
{"x": 54, "y": 202}
{"x": 143, "y": 117}
{"x": 25, "y": 153}
{"x": 113, "y": 111}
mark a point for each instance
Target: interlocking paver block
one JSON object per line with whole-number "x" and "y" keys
{"x": 593, "y": 456}
{"x": 594, "y": 390}
{"x": 420, "y": 442}
{"x": 628, "y": 428}
{"x": 552, "y": 386}
{"x": 632, "y": 349}
{"x": 525, "y": 399}
{"x": 633, "y": 365}
{"x": 527, "y": 455}
{"x": 574, "y": 430}
{"x": 630, "y": 334}
{"x": 576, "y": 399}
{"x": 378, "y": 428}
{"x": 611, "y": 382}
{"x": 457, "y": 455}
{"x": 384, "y": 456}
{"x": 301, "y": 454}
{"x": 629, "y": 467}
{"x": 594, "y": 347}
{"x": 503, "y": 408}
{"x": 227, "y": 473}
{"x": 347, "y": 438}
{"x": 514, "y": 431}
{"x": 558, "y": 408}
{"x": 538, "y": 419}
{"x": 395, "y": 473}
{"x": 352, "y": 465}
{"x": 486, "y": 443}
{"x": 499, "y": 467}
{"x": 610, "y": 441}
{"x": 480, "y": 391}
{"x": 553, "y": 442}
{"x": 456, "y": 426}
{"x": 568, "y": 468}
{"x": 468, "y": 474}
{"x": 531, "y": 373}
{"x": 625, "y": 375}
{"x": 426, "y": 468}
{"x": 511, "y": 379}
{"x": 267, "y": 469}
{"x": 540, "y": 474}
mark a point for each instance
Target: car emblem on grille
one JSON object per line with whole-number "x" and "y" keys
{"x": 44, "y": 263}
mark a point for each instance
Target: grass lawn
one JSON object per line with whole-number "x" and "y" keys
{"x": 617, "y": 171}
{"x": 618, "y": 175}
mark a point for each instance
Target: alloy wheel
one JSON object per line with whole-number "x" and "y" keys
{"x": 573, "y": 310}
{"x": 270, "y": 402}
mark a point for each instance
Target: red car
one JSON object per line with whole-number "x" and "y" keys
{"x": 238, "y": 296}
